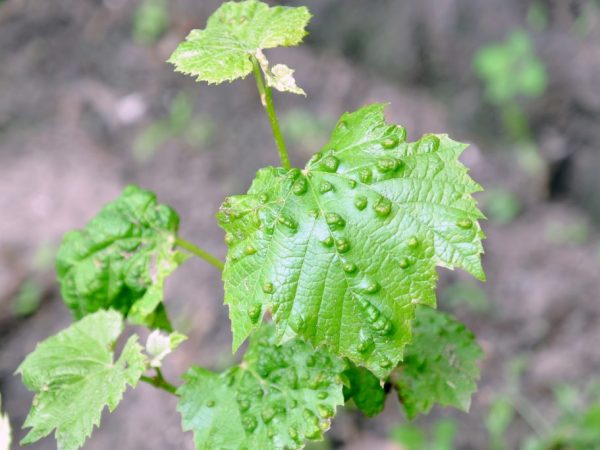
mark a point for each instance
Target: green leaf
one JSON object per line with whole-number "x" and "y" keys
{"x": 365, "y": 389}
{"x": 5, "y": 437}
{"x": 74, "y": 376}
{"x": 236, "y": 32}
{"x": 342, "y": 251}
{"x": 276, "y": 398}
{"x": 440, "y": 364}
{"x": 121, "y": 259}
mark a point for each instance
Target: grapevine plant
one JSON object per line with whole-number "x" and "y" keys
{"x": 330, "y": 274}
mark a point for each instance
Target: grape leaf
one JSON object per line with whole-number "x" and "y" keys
{"x": 74, "y": 376}
{"x": 440, "y": 364}
{"x": 276, "y": 398}
{"x": 365, "y": 389}
{"x": 234, "y": 33}
{"x": 5, "y": 438}
{"x": 343, "y": 250}
{"x": 121, "y": 259}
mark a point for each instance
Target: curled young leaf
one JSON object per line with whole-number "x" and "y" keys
{"x": 440, "y": 364}
{"x": 279, "y": 77}
{"x": 234, "y": 33}
{"x": 74, "y": 376}
{"x": 121, "y": 259}
{"x": 342, "y": 251}
{"x": 277, "y": 398}
{"x": 159, "y": 345}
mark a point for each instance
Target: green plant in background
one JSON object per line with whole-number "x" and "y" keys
{"x": 500, "y": 415}
{"x": 30, "y": 293}
{"x": 341, "y": 255}
{"x": 304, "y": 129}
{"x": 537, "y": 15}
{"x": 28, "y": 299}
{"x": 181, "y": 122}
{"x": 587, "y": 19}
{"x": 501, "y": 206}
{"x": 466, "y": 294}
{"x": 577, "y": 426}
{"x": 5, "y": 438}
{"x": 411, "y": 437}
{"x": 510, "y": 403}
{"x": 150, "y": 21}
{"x": 510, "y": 71}
{"x": 574, "y": 231}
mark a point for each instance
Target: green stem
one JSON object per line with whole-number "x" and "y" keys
{"x": 159, "y": 382}
{"x": 267, "y": 101}
{"x": 200, "y": 253}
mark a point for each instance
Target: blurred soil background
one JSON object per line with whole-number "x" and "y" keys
{"x": 88, "y": 105}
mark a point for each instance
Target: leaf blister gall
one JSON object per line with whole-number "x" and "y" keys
{"x": 360, "y": 202}
{"x": 435, "y": 334}
{"x": 385, "y": 225}
{"x": 278, "y": 393}
{"x": 130, "y": 245}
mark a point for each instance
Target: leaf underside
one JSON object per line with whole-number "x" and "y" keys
{"x": 278, "y": 397}
{"x": 121, "y": 259}
{"x": 235, "y": 32}
{"x": 74, "y": 376}
{"x": 440, "y": 364}
{"x": 342, "y": 251}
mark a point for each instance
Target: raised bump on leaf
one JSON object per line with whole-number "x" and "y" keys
{"x": 394, "y": 226}
{"x": 278, "y": 397}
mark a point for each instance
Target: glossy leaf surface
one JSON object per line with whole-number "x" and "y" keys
{"x": 343, "y": 251}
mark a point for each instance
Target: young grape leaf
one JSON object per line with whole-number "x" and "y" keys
{"x": 234, "y": 33}
{"x": 440, "y": 364}
{"x": 5, "y": 438}
{"x": 365, "y": 389}
{"x": 280, "y": 76}
{"x": 278, "y": 397}
{"x": 121, "y": 259}
{"x": 74, "y": 376}
{"x": 343, "y": 250}
{"x": 159, "y": 345}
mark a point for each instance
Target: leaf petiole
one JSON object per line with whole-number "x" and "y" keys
{"x": 158, "y": 381}
{"x": 200, "y": 253}
{"x": 267, "y": 101}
